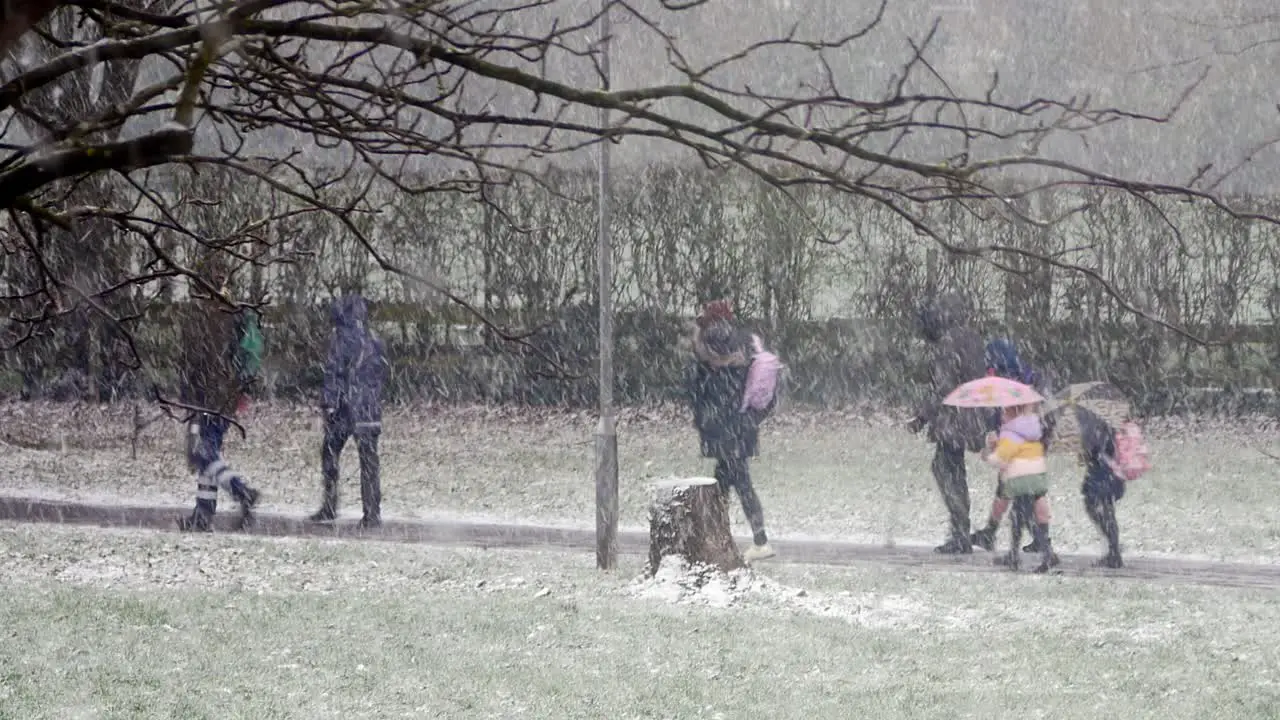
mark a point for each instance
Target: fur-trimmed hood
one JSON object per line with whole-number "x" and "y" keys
{"x": 720, "y": 344}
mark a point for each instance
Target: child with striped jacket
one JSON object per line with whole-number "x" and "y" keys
{"x": 1018, "y": 452}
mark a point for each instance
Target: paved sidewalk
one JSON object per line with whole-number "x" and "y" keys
{"x": 514, "y": 535}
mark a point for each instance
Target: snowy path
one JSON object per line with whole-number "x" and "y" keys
{"x": 500, "y": 534}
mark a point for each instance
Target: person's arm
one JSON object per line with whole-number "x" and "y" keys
{"x": 693, "y": 381}
{"x": 1003, "y": 454}
{"x": 335, "y": 373}
{"x": 943, "y": 367}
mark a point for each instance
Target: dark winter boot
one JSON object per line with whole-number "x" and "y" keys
{"x": 248, "y": 499}
{"x": 197, "y": 521}
{"x": 955, "y": 546}
{"x": 370, "y": 522}
{"x": 1034, "y": 546}
{"x": 1010, "y": 560}
{"x": 1048, "y": 559}
{"x": 201, "y": 518}
{"x": 328, "y": 511}
{"x": 1111, "y": 561}
{"x": 984, "y": 538}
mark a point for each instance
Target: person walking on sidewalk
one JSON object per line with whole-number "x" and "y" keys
{"x": 1004, "y": 361}
{"x": 1102, "y": 486}
{"x": 214, "y": 372}
{"x": 1018, "y": 453}
{"x": 956, "y": 357}
{"x": 354, "y": 376}
{"x": 715, "y": 384}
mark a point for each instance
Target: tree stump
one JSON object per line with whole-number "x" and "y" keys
{"x": 690, "y": 518}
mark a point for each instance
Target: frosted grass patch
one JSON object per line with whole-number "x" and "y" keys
{"x": 679, "y": 582}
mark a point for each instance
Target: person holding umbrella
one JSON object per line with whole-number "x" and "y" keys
{"x": 1018, "y": 452}
{"x": 1086, "y": 416}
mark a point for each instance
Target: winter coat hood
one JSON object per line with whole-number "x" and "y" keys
{"x": 720, "y": 343}
{"x": 1024, "y": 428}
{"x": 1002, "y": 357}
{"x": 955, "y": 357}
{"x": 357, "y": 368}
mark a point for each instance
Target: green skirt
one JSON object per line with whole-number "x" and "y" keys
{"x": 1037, "y": 484}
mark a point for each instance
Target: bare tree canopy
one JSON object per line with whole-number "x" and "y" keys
{"x": 325, "y": 103}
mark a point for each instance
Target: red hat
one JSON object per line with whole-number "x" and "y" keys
{"x": 716, "y": 310}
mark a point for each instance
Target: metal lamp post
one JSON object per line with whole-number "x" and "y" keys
{"x": 607, "y": 429}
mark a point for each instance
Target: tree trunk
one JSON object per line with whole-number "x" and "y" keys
{"x": 690, "y": 518}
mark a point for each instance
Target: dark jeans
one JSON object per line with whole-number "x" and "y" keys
{"x": 733, "y": 473}
{"x": 337, "y": 431}
{"x": 204, "y": 456}
{"x": 953, "y": 482}
{"x": 205, "y": 445}
{"x": 1101, "y": 490}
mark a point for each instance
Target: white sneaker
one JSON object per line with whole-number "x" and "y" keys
{"x": 758, "y": 552}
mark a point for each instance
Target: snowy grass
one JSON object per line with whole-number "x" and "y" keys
{"x": 1213, "y": 493}
{"x": 106, "y": 623}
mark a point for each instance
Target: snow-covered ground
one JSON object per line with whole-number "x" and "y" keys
{"x": 115, "y": 623}
{"x": 1214, "y": 493}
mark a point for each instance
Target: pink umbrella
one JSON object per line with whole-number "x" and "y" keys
{"x": 992, "y": 392}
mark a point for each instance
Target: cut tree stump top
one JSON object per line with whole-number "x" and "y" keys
{"x": 677, "y": 483}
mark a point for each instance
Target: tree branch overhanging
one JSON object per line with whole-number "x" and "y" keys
{"x": 485, "y": 98}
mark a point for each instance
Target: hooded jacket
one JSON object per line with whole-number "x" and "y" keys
{"x": 357, "y": 367}
{"x": 715, "y": 383}
{"x": 957, "y": 356}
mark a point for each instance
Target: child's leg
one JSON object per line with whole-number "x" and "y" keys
{"x": 1040, "y": 508}
{"x": 1041, "y": 533}
{"x": 986, "y": 537}
{"x": 999, "y": 506}
{"x": 1021, "y": 509}
{"x": 1102, "y": 512}
{"x": 1032, "y": 520}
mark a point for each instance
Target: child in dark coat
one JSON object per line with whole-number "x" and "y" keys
{"x": 210, "y": 382}
{"x": 1102, "y": 487}
{"x": 715, "y": 384}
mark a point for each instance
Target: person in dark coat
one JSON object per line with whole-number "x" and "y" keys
{"x": 1102, "y": 487}
{"x": 715, "y": 383}
{"x": 354, "y": 375}
{"x": 957, "y": 356}
{"x": 208, "y": 380}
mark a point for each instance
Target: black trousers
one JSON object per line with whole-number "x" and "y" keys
{"x": 733, "y": 472}
{"x": 953, "y": 482}
{"x": 337, "y": 431}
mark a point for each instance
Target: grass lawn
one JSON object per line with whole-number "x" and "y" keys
{"x": 117, "y": 624}
{"x": 1212, "y": 492}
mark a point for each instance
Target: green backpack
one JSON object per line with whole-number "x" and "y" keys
{"x": 250, "y": 346}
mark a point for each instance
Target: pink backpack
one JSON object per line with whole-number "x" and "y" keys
{"x": 762, "y": 378}
{"x": 1133, "y": 457}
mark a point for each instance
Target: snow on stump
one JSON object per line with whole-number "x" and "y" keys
{"x": 690, "y": 518}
